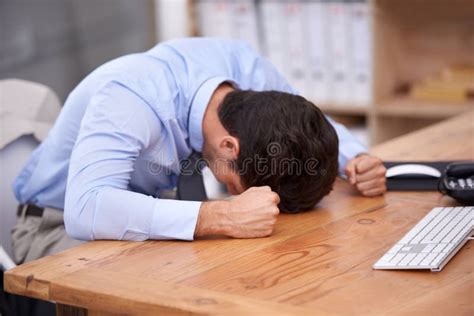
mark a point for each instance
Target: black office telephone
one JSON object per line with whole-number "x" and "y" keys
{"x": 453, "y": 178}
{"x": 458, "y": 181}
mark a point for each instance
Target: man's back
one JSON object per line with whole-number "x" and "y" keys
{"x": 167, "y": 78}
{"x": 123, "y": 131}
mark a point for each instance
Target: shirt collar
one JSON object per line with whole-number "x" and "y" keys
{"x": 198, "y": 108}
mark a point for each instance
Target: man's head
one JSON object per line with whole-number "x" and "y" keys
{"x": 276, "y": 139}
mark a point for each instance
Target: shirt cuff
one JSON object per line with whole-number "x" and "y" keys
{"x": 174, "y": 219}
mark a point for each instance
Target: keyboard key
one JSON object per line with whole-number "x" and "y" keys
{"x": 449, "y": 248}
{"x": 428, "y": 248}
{"x": 427, "y": 233}
{"x": 438, "y": 260}
{"x": 439, "y": 248}
{"x": 425, "y": 221}
{"x": 408, "y": 258}
{"x": 428, "y": 259}
{"x": 441, "y": 226}
{"x": 398, "y": 257}
{"x": 450, "y": 224}
{"x": 457, "y": 230}
{"x": 416, "y": 261}
{"x": 386, "y": 258}
{"x": 395, "y": 248}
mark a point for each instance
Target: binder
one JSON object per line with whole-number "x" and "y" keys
{"x": 244, "y": 22}
{"x": 338, "y": 18}
{"x": 318, "y": 57}
{"x": 272, "y": 29}
{"x": 214, "y": 18}
{"x": 322, "y": 47}
{"x": 295, "y": 48}
{"x": 360, "y": 73}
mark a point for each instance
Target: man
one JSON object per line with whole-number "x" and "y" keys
{"x": 118, "y": 141}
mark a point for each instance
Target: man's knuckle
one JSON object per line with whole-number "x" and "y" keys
{"x": 276, "y": 210}
{"x": 275, "y": 198}
{"x": 380, "y": 191}
{"x": 272, "y": 211}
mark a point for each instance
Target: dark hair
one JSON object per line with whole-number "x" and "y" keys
{"x": 289, "y": 139}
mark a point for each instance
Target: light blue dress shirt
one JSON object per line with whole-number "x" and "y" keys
{"x": 120, "y": 136}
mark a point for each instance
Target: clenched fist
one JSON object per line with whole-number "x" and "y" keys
{"x": 251, "y": 214}
{"x": 367, "y": 174}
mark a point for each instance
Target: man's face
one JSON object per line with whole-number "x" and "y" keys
{"x": 223, "y": 170}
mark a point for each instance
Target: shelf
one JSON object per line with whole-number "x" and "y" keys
{"x": 407, "y": 107}
{"x": 411, "y": 40}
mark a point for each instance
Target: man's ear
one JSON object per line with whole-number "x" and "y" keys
{"x": 230, "y": 147}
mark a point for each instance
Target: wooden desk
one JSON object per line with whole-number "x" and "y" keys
{"x": 320, "y": 261}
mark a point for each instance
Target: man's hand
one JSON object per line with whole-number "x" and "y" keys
{"x": 367, "y": 174}
{"x": 251, "y": 214}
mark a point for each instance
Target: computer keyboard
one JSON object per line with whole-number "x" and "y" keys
{"x": 432, "y": 242}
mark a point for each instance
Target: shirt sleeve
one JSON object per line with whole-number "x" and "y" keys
{"x": 117, "y": 125}
{"x": 267, "y": 77}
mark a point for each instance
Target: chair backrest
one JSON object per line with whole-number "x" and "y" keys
{"x": 27, "y": 112}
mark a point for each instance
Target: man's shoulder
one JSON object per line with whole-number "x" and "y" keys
{"x": 207, "y": 43}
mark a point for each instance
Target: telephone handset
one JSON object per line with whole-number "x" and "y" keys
{"x": 458, "y": 181}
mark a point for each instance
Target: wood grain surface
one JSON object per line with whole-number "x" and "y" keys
{"x": 319, "y": 262}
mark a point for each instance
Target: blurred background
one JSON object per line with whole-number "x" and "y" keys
{"x": 383, "y": 67}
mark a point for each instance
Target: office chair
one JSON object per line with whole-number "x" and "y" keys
{"x": 27, "y": 112}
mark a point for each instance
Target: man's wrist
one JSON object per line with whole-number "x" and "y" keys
{"x": 211, "y": 219}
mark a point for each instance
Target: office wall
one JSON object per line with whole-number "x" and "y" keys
{"x": 58, "y": 42}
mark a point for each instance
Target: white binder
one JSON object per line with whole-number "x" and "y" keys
{"x": 338, "y": 18}
{"x": 295, "y": 47}
{"x": 214, "y": 18}
{"x": 361, "y": 53}
{"x": 272, "y": 24}
{"x": 244, "y": 21}
{"x": 317, "y": 58}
